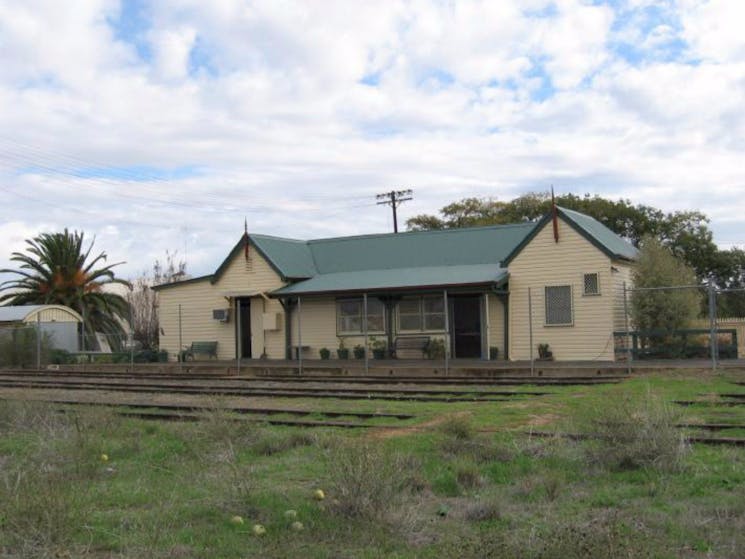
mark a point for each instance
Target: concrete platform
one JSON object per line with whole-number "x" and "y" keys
{"x": 407, "y": 367}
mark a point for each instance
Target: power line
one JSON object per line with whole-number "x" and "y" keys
{"x": 394, "y": 199}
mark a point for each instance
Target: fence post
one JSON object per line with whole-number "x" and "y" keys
{"x": 180, "y": 344}
{"x": 447, "y": 333}
{"x": 239, "y": 335}
{"x": 299, "y": 338}
{"x": 38, "y": 341}
{"x": 367, "y": 357}
{"x": 530, "y": 333}
{"x": 713, "y": 325}
{"x": 131, "y": 342}
{"x": 629, "y": 350}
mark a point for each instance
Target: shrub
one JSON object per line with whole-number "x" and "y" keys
{"x": 18, "y": 347}
{"x": 367, "y": 481}
{"x": 481, "y": 511}
{"x": 636, "y": 432}
{"x": 468, "y": 476}
{"x": 435, "y": 349}
{"x": 274, "y": 443}
{"x": 458, "y": 427}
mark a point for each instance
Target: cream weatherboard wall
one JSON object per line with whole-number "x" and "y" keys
{"x": 319, "y": 329}
{"x": 496, "y": 324}
{"x": 543, "y": 262}
{"x": 199, "y": 298}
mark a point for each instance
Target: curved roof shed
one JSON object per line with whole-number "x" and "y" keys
{"x": 31, "y": 313}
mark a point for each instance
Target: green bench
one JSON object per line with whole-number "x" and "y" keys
{"x": 199, "y": 348}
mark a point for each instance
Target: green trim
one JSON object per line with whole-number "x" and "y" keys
{"x": 240, "y": 245}
{"x": 180, "y": 283}
{"x": 515, "y": 251}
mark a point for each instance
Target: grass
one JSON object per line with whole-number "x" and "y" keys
{"x": 471, "y": 482}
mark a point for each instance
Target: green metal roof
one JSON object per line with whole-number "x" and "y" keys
{"x": 595, "y": 232}
{"x": 291, "y": 256}
{"x": 414, "y": 249}
{"x": 400, "y": 278}
{"x": 614, "y": 245}
{"x": 477, "y": 255}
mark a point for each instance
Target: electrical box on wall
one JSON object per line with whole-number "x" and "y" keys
{"x": 223, "y": 315}
{"x": 270, "y": 320}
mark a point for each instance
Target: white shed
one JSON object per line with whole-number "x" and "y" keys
{"x": 59, "y": 322}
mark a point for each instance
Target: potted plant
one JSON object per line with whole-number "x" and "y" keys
{"x": 342, "y": 352}
{"x": 359, "y": 351}
{"x": 435, "y": 349}
{"x": 378, "y": 347}
{"x": 545, "y": 353}
{"x": 325, "y": 353}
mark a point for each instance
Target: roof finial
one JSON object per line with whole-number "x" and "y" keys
{"x": 245, "y": 237}
{"x": 554, "y": 215}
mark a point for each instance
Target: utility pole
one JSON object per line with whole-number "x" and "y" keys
{"x": 394, "y": 199}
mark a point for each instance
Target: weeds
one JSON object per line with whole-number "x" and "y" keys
{"x": 366, "y": 480}
{"x": 632, "y": 432}
{"x": 458, "y": 427}
{"x": 483, "y": 510}
{"x": 274, "y": 443}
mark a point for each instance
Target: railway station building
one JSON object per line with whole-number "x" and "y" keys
{"x": 479, "y": 293}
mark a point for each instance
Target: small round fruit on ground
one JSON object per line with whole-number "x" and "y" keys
{"x": 237, "y": 520}
{"x": 319, "y": 495}
{"x": 297, "y": 526}
{"x": 104, "y": 458}
{"x": 258, "y": 530}
{"x": 291, "y": 514}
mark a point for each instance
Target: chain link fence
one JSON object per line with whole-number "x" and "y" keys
{"x": 659, "y": 325}
{"x": 35, "y": 346}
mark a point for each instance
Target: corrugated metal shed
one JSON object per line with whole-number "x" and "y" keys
{"x": 28, "y": 313}
{"x": 401, "y": 278}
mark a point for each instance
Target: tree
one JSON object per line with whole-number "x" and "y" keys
{"x": 144, "y": 301}
{"x": 687, "y": 234}
{"x": 663, "y": 310}
{"x": 55, "y": 269}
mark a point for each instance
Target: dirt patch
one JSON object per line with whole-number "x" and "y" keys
{"x": 540, "y": 420}
{"x": 389, "y": 432}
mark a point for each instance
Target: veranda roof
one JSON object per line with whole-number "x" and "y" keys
{"x": 429, "y": 277}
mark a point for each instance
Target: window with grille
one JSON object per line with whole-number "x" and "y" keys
{"x": 559, "y": 305}
{"x": 417, "y": 314}
{"x": 592, "y": 284}
{"x": 350, "y": 316}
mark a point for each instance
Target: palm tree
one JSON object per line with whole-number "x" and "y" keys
{"x": 55, "y": 270}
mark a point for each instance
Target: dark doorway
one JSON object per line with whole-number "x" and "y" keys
{"x": 466, "y": 311}
{"x": 243, "y": 326}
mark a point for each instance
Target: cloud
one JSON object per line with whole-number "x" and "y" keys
{"x": 161, "y": 126}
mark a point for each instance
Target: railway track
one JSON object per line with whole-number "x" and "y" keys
{"x": 350, "y": 393}
{"x": 152, "y": 412}
{"x": 720, "y": 441}
{"x": 296, "y": 379}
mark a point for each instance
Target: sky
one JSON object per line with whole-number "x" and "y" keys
{"x": 164, "y": 126}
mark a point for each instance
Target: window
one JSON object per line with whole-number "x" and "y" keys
{"x": 592, "y": 284}
{"x": 559, "y": 305}
{"x": 418, "y": 314}
{"x": 350, "y": 316}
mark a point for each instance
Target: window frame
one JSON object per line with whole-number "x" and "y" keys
{"x": 546, "y": 322}
{"x": 422, "y": 314}
{"x": 359, "y": 315}
{"x": 585, "y": 293}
